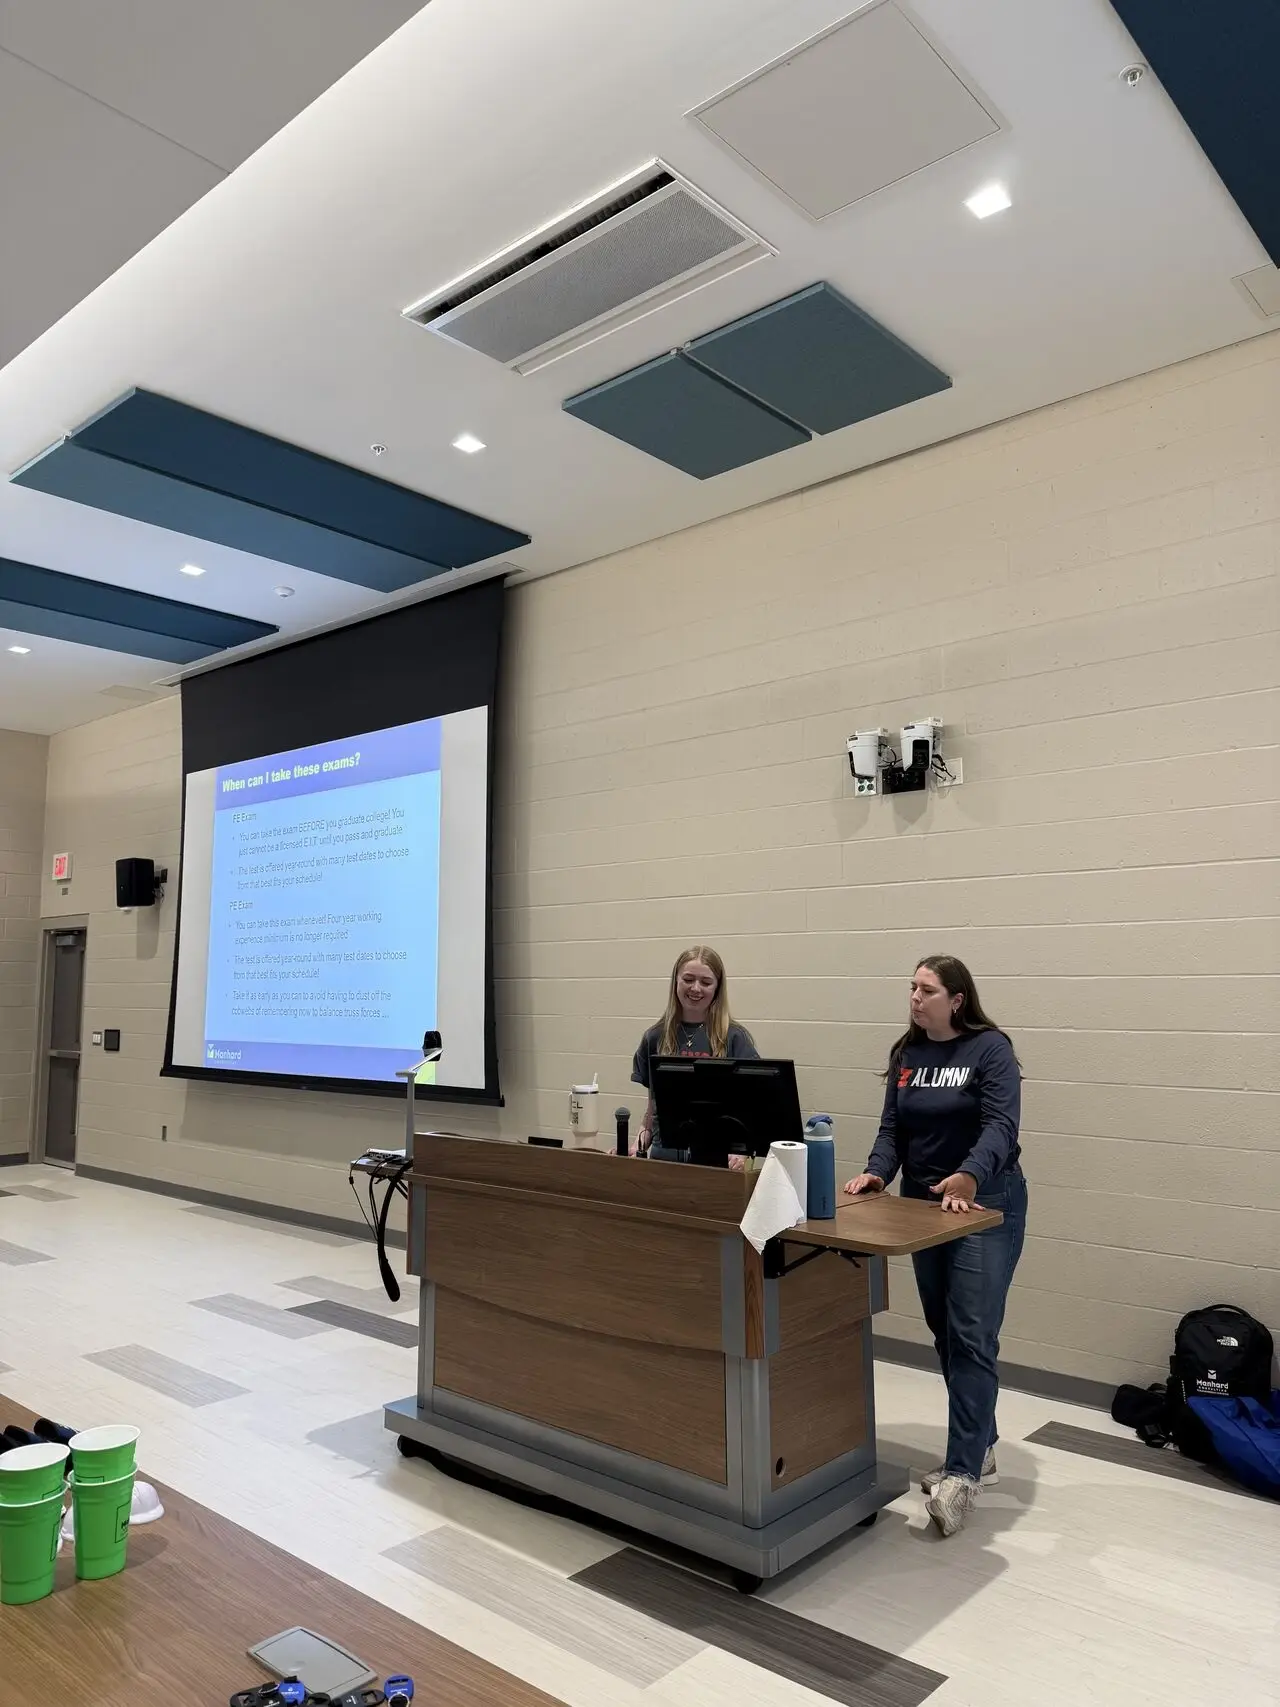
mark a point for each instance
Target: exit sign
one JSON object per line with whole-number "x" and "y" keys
{"x": 61, "y": 872}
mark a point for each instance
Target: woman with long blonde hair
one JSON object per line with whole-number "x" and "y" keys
{"x": 697, "y": 1023}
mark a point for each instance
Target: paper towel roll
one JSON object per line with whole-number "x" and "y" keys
{"x": 795, "y": 1159}
{"x": 776, "y": 1204}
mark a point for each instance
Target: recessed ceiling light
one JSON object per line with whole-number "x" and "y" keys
{"x": 191, "y": 569}
{"x": 19, "y": 649}
{"x": 468, "y": 443}
{"x": 994, "y": 198}
{"x": 284, "y": 592}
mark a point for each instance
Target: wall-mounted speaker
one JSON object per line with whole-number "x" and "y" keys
{"x": 138, "y": 883}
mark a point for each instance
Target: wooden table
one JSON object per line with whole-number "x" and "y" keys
{"x": 887, "y": 1226}
{"x": 172, "y": 1629}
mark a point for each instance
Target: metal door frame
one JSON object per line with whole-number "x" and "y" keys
{"x": 50, "y": 928}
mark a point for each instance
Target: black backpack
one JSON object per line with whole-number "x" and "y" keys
{"x": 1218, "y": 1352}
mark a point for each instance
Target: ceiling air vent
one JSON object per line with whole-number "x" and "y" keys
{"x": 631, "y": 249}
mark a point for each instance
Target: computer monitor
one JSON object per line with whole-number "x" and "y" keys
{"x": 708, "y": 1108}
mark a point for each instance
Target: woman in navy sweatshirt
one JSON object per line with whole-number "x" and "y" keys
{"x": 950, "y": 1123}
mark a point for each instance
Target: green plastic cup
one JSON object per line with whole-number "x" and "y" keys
{"x": 30, "y": 1473}
{"x": 105, "y": 1454}
{"x": 29, "y": 1549}
{"x": 102, "y": 1511}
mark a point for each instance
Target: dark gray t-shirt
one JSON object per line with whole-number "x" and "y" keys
{"x": 691, "y": 1041}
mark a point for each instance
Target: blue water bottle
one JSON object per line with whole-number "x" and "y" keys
{"x": 821, "y": 1146}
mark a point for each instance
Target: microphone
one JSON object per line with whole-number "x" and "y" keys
{"x": 432, "y": 1048}
{"x": 623, "y": 1118}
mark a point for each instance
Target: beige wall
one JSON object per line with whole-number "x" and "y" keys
{"x": 1088, "y": 597}
{"x": 22, "y": 779}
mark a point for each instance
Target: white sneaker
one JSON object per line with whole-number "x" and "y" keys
{"x": 990, "y": 1475}
{"x": 951, "y": 1502}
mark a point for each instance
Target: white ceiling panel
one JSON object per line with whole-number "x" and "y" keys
{"x": 82, "y": 188}
{"x": 218, "y": 79}
{"x": 863, "y": 106}
{"x": 115, "y": 118}
{"x": 1263, "y": 286}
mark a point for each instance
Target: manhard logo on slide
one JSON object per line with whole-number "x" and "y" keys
{"x": 212, "y": 1054}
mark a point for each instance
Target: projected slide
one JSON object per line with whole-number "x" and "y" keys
{"x": 333, "y": 907}
{"x": 324, "y": 907}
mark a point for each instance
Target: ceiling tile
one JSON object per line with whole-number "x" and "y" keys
{"x": 863, "y": 106}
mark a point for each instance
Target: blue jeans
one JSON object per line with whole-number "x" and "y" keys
{"x": 963, "y": 1288}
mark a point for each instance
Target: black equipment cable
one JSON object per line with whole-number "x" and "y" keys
{"x": 395, "y": 1185}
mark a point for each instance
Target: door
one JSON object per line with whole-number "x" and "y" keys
{"x": 62, "y": 1063}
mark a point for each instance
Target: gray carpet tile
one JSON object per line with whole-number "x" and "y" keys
{"x": 166, "y": 1375}
{"x": 43, "y": 1194}
{"x": 358, "y": 1321}
{"x": 254, "y": 1314}
{"x": 831, "y": 1664}
{"x": 627, "y": 1643}
{"x": 1132, "y": 1454}
{"x": 18, "y": 1256}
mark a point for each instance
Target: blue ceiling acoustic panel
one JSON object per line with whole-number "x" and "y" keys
{"x": 1219, "y": 61}
{"x": 812, "y": 363}
{"x": 678, "y": 412}
{"x": 818, "y": 360}
{"x": 94, "y": 613}
{"x": 163, "y": 462}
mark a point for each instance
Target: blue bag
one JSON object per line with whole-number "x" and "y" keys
{"x": 1246, "y": 1438}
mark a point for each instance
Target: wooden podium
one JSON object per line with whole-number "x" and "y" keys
{"x": 596, "y": 1328}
